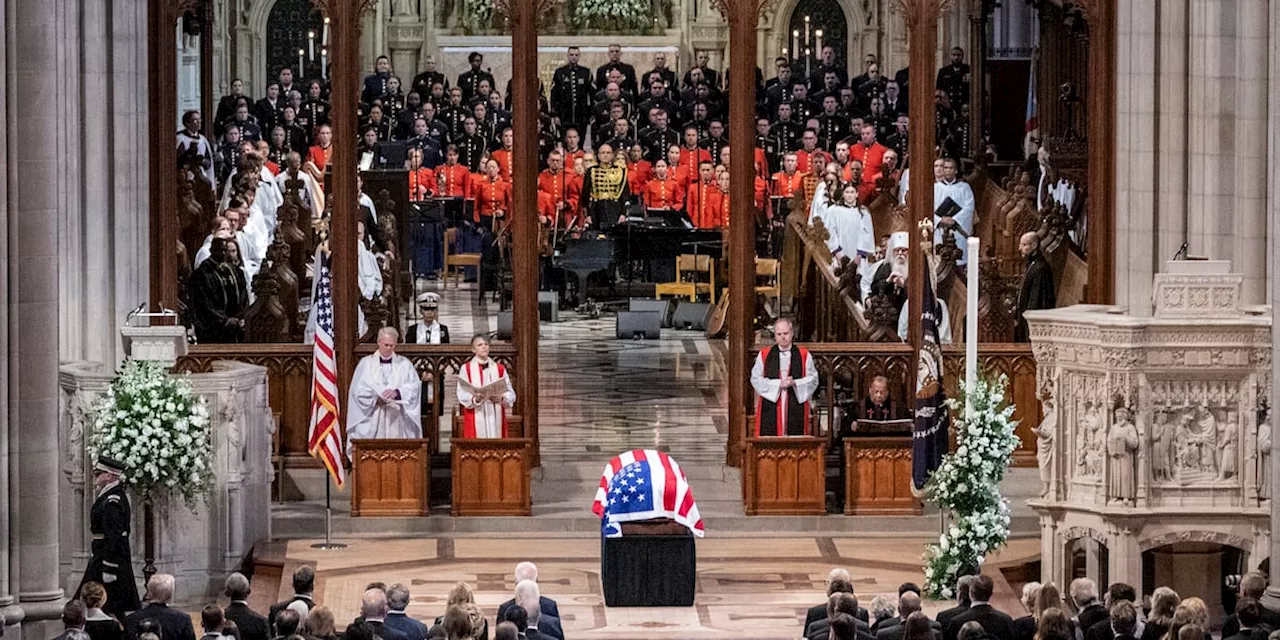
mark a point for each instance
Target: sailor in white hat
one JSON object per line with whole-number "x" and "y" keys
{"x": 428, "y": 330}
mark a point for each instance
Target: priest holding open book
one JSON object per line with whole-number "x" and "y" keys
{"x": 384, "y": 396}
{"x": 484, "y": 394}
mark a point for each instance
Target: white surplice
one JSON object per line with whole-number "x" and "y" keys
{"x": 369, "y": 273}
{"x": 368, "y": 415}
{"x": 481, "y": 419}
{"x": 771, "y": 388}
{"x": 962, "y": 195}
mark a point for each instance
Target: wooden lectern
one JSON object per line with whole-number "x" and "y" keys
{"x": 390, "y": 477}
{"x": 785, "y": 476}
{"x": 491, "y": 477}
{"x": 877, "y": 475}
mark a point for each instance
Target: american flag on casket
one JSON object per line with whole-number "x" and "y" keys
{"x": 644, "y": 484}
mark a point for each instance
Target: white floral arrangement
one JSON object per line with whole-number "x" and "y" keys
{"x": 967, "y": 484}
{"x": 477, "y": 15}
{"x": 158, "y": 428}
{"x": 611, "y": 15}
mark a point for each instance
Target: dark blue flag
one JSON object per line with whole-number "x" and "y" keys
{"x": 930, "y": 433}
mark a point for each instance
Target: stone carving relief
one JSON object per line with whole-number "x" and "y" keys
{"x": 79, "y": 409}
{"x": 1197, "y": 421}
{"x": 1089, "y": 439}
{"x": 1046, "y": 435}
{"x": 1263, "y": 457}
{"x": 1122, "y": 450}
{"x": 231, "y": 415}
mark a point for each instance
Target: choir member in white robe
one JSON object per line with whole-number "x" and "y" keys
{"x": 311, "y": 193}
{"x": 850, "y": 232}
{"x": 904, "y": 185}
{"x": 949, "y": 186}
{"x": 368, "y": 271}
{"x": 191, "y": 135}
{"x": 384, "y": 400}
{"x": 784, "y": 378}
{"x": 483, "y": 417}
{"x": 821, "y": 194}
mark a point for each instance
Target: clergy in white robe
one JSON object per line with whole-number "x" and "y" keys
{"x": 904, "y": 185}
{"x": 784, "y": 378}
{"x": 384, "y": 400}
{"x": 960, "y": 193}
{"x": 944, "y": 322}
{"x": 484, "y": 415}
{"x": 311, "y": 193}
{"x": 191, "y": 135}
{"x": 368, "y": 271}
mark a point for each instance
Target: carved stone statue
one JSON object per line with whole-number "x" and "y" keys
{"x": 1161, "y": 448}
{"x": 1264, "y": 455}
{"x": 1122, "y": 447}
{"x": 1089, "y": 440}
{"x": 1045, "y": 435}
{"x": 1226, "y": 447}
{"x": 407, "y": 8}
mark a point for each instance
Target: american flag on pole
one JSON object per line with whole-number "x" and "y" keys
{"x": 643, "y": 484}
{"x": 324, "y": 441}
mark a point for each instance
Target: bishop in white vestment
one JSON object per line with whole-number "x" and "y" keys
{"x": 483, "y": 416}
{"x": 384, "y": 399}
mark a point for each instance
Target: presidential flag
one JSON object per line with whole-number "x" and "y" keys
{"x": 323, "y": 438}
{"x": 644, "y": 484}
{"x": 930, "y": 432}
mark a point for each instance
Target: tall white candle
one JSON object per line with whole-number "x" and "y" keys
{"x": 818, "y": 41}
{"x": 324, "y": 64}
{"x": 324, "y": 41}
{"x": 311, "y": 45}
{"x": 971, "y": 328}
{"x": 808, "y": 60}
{"x": 795, "y": 42}
{"x": 301, "y": 66}
{"x": 806, "y": 31}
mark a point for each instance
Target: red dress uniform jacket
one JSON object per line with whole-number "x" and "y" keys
{"x": 705, "y": 206}
{"x": 663, "y": 194}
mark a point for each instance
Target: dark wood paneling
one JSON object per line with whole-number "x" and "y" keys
{"x": 491, "y": 476}
{"x": 785, "y": 476}
{"x": 878, "y": 477}
{"x": 390, "y": 478}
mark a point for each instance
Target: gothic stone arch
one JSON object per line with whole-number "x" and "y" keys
{"x": 861, "y": 36}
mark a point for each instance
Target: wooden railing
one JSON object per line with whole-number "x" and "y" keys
{"x": 289, "y": 382}
{"x": 845, "y": 371}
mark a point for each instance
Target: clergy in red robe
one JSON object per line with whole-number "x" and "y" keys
{"x": 784, "y": 378}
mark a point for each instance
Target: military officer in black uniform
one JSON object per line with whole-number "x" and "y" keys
{"x": 375, "y": 84}
{"x": 954, "y": 79}
{"x": 832, "y": 125}
{"x": 469, "y": 82}
{"x": 471, "y": 146}
{"x": 423, "y": 81}
{"x": 615, "y": 62}
{"x": 786, "y": 130}
{"x": 111, "y": 564}
{"x": 769, "y": 143}
{"x": 315, "y": 110}
{"x": 571, "y": 92}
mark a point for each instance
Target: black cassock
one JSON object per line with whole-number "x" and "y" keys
{"x": 109, "y": 524}
{"x": 794, "y": 418}
{"x": 1037, "y": 292}
{"x": 218, "y": 292}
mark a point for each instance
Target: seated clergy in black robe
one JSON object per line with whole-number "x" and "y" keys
{"x": 877, "y": 405}
{"x": 784, "y": 378}
{"x": 1037, "y": 291}
{"x": 604, "y": 191}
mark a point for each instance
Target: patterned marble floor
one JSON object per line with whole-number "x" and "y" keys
{"x": 747, "y": 588}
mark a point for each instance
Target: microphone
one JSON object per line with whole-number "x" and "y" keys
{"x": 1182, "y": 252}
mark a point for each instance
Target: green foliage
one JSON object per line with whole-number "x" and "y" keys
{"x": 610, "y": 15}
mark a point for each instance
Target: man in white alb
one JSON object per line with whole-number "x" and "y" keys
{"x": 384, "y": 397}
{"x": 950, "y": 186}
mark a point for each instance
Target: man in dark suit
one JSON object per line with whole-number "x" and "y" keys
{"x": 904, "y": 588}
{"x": 1252, "y": 585}
{"x": 252, "y": 626}
{"x": 840, "y": 605}
{"x": 287, "y": 623}
{"x": 520, "y": 618}
{"x": 1084, "y": 593}
{"x": 212, "y": 621}
{"x": 997, "y": 624}
{"x": 838, "y": 581}
{"x": 397, "y": 602}
{"x": 73, "y": 621}
{"x": 529, "y": 598}
{"x": 1117, "y": 593}
{"x": 1248, "y": 618}
{"x": 908, "y": 603}
{"x": 373, "y": 611}
{"x": 945, "y": 616}
{"x": 304, "y": 583}
{"x": 529, "y": 571}
{"x": 174, "y": 624}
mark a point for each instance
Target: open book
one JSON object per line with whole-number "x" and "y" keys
{"x": 493, "y": 390}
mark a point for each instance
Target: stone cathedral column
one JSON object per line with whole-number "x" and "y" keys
{"x": 405, "y": 35}
{"x": 32, "y": 302}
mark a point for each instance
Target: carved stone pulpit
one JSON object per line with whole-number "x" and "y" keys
{"x": 1155, "y": 430}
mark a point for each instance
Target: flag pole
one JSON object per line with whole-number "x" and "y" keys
{"x": 328, "y": 544}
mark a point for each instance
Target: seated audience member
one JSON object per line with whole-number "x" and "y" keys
{"x": 174, "y": 623}
{"x": 250, "y": 624}
{"x": 883, "y": 610}
{"x": 1024, "y": 628}
{"x": 1084, "y": 594}
{"x": 519, "y": 617}
{"x": 304, "y": 583}
{"x": 838, "y": 605}
{"x": 1123, "y": 620}
{"x": 73, "y": 621}
{"x": 842, "y": 627}
{"x": 359, "y": 630}
{"x": 1054, "y": 625}
{"x": 212, "y": 621}
{"x": 838, "y": 581}
{"x": 998, "y": 625}
{"x": 396, "y": 618}
{"x": 461, "y": 595}
{"x": 373, "y": 611}
{"x": 529, "y": 598}
{"x": 320, "y": 624}
{"x": 506, "y": 631}
{"x": 1252, "y": 585}
{"x": 1102, "y": 630}
{"x": 909, "y": 605}
{"x": 288, "y": 622}
{"x": 963, "y": 583}
{"x": 1164, "y": 602}
{"x": 97, "y": 623}
{"x": 529, "y": 571}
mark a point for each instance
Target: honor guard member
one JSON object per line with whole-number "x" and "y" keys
{"x": 453, "y": 113}
{"x": 571, "y": 91}
{"x": 615, "y": 62}
{"x": 656, "y": 139}
{"x": 786, "y": 130}
{"x": 315, "y": 111}
{"x": 423, "y": 82}
{"x": 605, "y": 191}
{"x": 832, "y": 126}
{"x": 471, "y": 146}
{"x": 769, "y": 144}
{"x": 469, "y": 82}
{"x": 111, "y": 563}
{"x": 393, "y": 101}
{"x": 802, "y": 108}
{"x": 295, "y": 136}
{"x": 954, "y": 79}
{"x": 375, "y": 84}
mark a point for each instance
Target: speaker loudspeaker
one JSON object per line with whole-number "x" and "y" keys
{"x": 661, "y": 306}
{"x": 691, "y": 315}
{"x": 646, "y": 324}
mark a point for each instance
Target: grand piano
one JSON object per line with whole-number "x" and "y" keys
{"x": 641, "y": 250}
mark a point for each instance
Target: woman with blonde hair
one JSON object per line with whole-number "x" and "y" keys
{"x": 1191, "y": 612}
{"x": 1163, "y": 603}
{"x": 319, "y": 624}
{"x": 456, "y": 622}
{"x": 461, "y": 596}
{"x": 1024, "y": 628}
